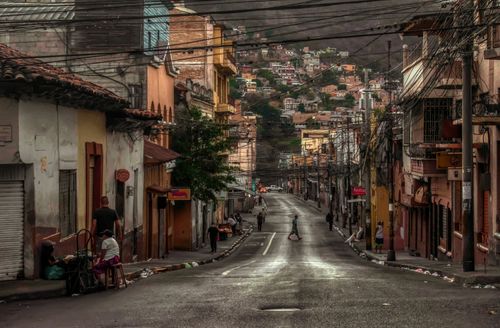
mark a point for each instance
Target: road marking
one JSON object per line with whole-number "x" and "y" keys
{"x": 225, "y": 273}
{"x": 269, "y": 245}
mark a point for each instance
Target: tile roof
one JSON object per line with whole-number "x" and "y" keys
{"x": 17, "y": 68}
{"x": 24, "y": 12}
{"x": 142, "y": 114}
{"x": 154, "y": 153}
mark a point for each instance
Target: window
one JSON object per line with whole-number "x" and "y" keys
{"x": 435, "y": 111}
{"x": 135, "y": 95}
{"x": 67, "y": 202}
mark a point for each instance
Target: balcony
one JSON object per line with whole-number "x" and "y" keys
{"x": 224, "y": 59}
{"x": 419, "y": 75}
{"x": 226, "y": 109}
{"x": 493, "y": 44}
{"x": 426, "y": 167}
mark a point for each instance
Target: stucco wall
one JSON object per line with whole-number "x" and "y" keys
{"x": 91, "y": 128}
{"x": 125, "y": 153}
{"x": 9, "y": 117}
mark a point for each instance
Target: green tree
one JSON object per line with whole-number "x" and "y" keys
{"x": 201, "y": 167}
{"x": 258, "y": 82}
{"x": 342, "y": 87}
{"x": 302, "y": 108}
{"x": 350, "y": 101}
{"x": 268, "y": 75}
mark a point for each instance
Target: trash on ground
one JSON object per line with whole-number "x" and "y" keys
{"x": 146, "y": 272}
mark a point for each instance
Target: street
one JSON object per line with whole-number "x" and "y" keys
{"x": 274, "y": 282}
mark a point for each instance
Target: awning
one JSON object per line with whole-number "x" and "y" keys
{"x": 154, "y": 153}
{"x": 241, "y": 188}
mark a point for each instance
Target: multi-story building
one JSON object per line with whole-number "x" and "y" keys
{"x": 144, "y": 76}
{"x": 210, "y": 65}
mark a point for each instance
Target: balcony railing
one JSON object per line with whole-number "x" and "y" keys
{"x": 224, "y": 59}
{"x": 426, "y": 168}
{"x": 493, "y": 44}
{"x": 225, "y": 109}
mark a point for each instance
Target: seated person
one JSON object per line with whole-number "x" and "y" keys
{"x": 108, "y": 256}
{"x": 51, "y": 267}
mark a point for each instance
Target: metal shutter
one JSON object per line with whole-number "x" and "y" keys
{"x": 11, "y": 229}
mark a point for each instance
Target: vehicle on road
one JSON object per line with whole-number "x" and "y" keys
{"x": 274, "y": 188}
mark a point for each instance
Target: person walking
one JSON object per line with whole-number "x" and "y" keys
{"x": 213, "y": 235}
{"x": 232, "y": 223}
{"x": 260, "y": 220}
{"x": 329, "y": 219}
{"x": 379, "y": 237}
{"x": 295, "y": 228}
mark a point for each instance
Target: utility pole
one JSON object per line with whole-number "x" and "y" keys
{"x": 467, "y": 156}
{"x": 319, "y": 181}
{"x": 349, "y": 188}
{"x": 330, "y": 160}
{"x": 366, "y": 220}
{"x": 391, "y": 254}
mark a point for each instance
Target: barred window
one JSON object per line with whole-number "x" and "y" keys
{"x": 436, "y": 110}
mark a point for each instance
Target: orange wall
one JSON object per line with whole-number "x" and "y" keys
{"x": 160, "y": 96}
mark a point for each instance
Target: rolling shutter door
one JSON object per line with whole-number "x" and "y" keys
{"x": 11, "y": 229}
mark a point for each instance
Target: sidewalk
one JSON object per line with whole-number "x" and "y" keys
{"x": 446, "y": 270}
{"x": 177, "y": 260}
{"x": 17, "y": 290}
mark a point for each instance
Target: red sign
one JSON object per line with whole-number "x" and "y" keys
{"x": 179, "y": 194}
{"x": 358, "y": 191}
{"x": 122, "y": 175}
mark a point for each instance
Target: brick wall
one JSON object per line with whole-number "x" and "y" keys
{"x": 192, "y": 31}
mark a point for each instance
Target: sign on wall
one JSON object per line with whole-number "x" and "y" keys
{"x": 179, "y": 194}
{"x": 122, "y": 175}
{"x": 5, "y": 133}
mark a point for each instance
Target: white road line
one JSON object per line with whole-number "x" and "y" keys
{"x": 225, "y": 273}
{"x": 269, "y": 245}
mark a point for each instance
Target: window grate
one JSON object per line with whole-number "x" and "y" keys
{"x": 436, "y": 110}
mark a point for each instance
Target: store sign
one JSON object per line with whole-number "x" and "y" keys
{"x": 445, "y": 160}
{"x": 179, "y": 194}
{"x": 122, "y": 175}
{"x": 358, "y": 191}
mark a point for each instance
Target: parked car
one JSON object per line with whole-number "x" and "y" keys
{"x": 274, "y": 188}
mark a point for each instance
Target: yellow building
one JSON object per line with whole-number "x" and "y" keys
{"x": 224, "y": 69}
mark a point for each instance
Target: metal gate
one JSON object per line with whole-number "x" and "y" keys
{"x": 11, "y": 229}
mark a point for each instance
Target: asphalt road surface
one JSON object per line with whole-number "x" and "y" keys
{"x": 274, "y": 282}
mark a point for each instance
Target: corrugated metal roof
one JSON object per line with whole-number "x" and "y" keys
{"x": 34, "y": 11}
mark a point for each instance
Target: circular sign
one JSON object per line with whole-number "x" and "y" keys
{"x": 122, "y": 175}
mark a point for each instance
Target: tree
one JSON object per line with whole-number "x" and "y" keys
{"x": 258, "y": 83}
{"x": 342, "y": 87}
{"x": 268, "y": 75}
{"x": 350, "y": 101}
{"x": 301, "y": 108}
{"x": 201, "y": 142}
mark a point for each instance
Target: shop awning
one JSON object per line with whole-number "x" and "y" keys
{"x": 154, "y": 153}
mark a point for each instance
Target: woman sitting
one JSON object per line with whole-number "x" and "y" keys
{"x": 109, "y": 255}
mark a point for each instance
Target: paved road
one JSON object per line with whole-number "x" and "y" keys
{"x": 273, "y": 282}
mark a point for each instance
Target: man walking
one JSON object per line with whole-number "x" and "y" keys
{"x": 213, "y": 235}
{"x": 105, "y": 218}
{"x": 295, "y": 228}
{"x": 329, "y": 219}
{"x": 260, "y": 220}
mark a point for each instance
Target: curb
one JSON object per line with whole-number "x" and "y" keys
{"x": 174, "y": 267}
{"x": 436, "y": 273}
{"x": 28, "y": 296}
